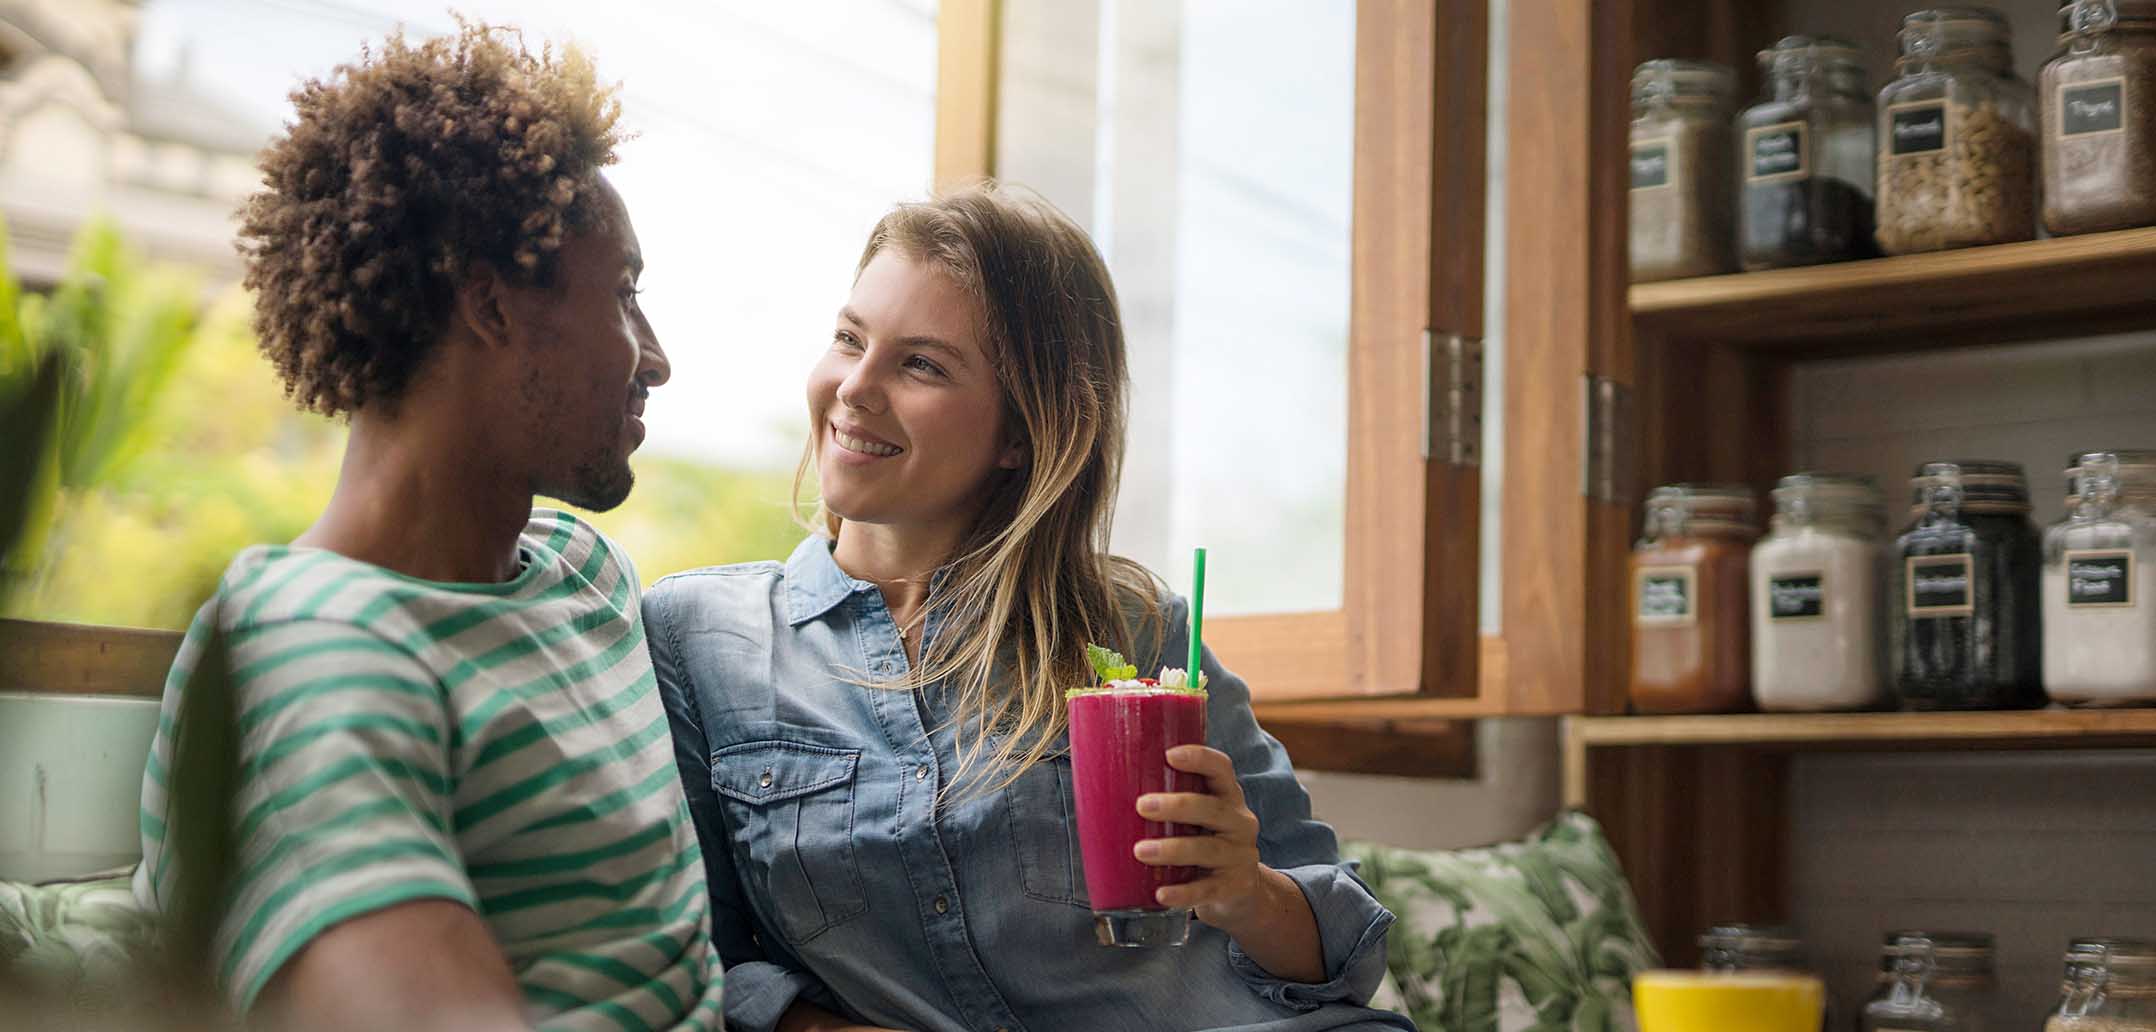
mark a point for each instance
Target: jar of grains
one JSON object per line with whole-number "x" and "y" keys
{"x": 1816, "y": 619}
{"x": 1689, "y": 626}
{"x": 2110, "y": 987}
{"x": 1967, "y": 630}
{"x": 1806, "y": 158}
{"x": 1957, "y": 147}
{"x": 1935, "y": 982}
{"x": 1683, "y": 214}
{"x": 2099, "y": 616}
{"x": 2099, "y": 117}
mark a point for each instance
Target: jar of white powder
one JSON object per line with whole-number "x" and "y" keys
{"x": 1815, "y": 596}
{"x": 2099, "y": 586}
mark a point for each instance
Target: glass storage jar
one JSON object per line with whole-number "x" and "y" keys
{"x": 1967, "y": 631}
{"x": 1682, "y": 220}
{"x": 1806, "y": 159}
{"x": 2110, "y": 987}
{"x": 2098, "y": 97}
{"x": 1957, "y": 145}
{"x": 2099, "y": 616}
{"x": 1816, "y": 575}
{"x": 1689, "y": 625}
{"x": 1935, "y": 982}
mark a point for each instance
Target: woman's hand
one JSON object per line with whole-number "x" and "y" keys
{"x": 1254, "y": 904}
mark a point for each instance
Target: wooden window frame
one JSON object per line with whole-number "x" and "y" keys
{"x": 1406, "y": 628}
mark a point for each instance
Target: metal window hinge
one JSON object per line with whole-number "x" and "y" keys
{"x": 1451, "y": 398}
{"x": 1609, "y": 455}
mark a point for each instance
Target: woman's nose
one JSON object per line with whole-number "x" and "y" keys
{"x": 862, "y": 387}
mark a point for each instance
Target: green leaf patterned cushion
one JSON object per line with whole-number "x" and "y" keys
{"x": 68, "y": 936}
{"x": 1540, "y": 935}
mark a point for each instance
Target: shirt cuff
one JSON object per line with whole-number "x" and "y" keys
{"x": 758, "y": 993}
{"x": 1351, "y": 932}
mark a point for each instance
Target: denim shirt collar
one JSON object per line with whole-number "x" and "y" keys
{"x": 814, "y": 583}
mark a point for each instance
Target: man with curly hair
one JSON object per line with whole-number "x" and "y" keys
{"x": 457, "y": 805}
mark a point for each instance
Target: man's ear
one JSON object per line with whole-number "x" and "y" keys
{"x": 482, "y": 305}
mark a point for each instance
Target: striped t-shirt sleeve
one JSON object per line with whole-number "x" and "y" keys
{"x": 344, "y": 806}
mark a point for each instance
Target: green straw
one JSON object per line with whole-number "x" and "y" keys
{"x": 1197, "y": 614}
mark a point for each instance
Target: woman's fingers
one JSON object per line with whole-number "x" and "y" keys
{"x": 1212, "y": 813}
{"x": 1199, "y": 893}
{"x": 1212, "y": 765}
{"x": 1208, "y": 851}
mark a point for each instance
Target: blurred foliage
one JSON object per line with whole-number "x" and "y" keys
{"x": 176, "y": 449}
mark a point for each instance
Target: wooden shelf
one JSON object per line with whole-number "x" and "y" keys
{"x": 1981, "y": 295}
{"x": 2029, "y": 729}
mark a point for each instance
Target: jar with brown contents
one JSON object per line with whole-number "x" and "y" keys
{"x": 2099, "y": 118}
{"x": 1683, "y": 220}
{"x": 1957, "y": 147}
{"x": 1691, "y": 619}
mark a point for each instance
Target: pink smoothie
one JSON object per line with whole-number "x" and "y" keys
{"x": 1119, "y": 745}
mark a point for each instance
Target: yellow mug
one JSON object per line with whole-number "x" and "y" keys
{"x": 1709, "y": 1001}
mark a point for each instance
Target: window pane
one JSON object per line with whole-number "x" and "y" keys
{"x": 1219, "y": 187}
{"x": 768, "y": 138}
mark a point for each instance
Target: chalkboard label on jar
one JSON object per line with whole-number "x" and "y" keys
{"x": 1939, "y": 585}
{"x": 1667, "y": 596}
{"x": 2099, "y": 579}
{"x": 1796, "y": 596}
{"x": 1653, "y": 165}
{"x": 1777, "y": 153}
{"x": 2092, "y": 108}
{"x": 1917, "y": 128}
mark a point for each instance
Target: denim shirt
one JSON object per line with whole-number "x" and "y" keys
{"x": 836, "y": 878}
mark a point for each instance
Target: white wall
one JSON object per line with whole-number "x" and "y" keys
{"x": 1517, "y": 789}
{"x": 71, "y": 783}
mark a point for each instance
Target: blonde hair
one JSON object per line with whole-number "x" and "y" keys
{"x": 1032, "y": 583}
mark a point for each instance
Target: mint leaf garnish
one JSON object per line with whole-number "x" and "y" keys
{"x": 1109, "y": 665}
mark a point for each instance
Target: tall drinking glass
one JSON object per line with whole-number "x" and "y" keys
{"x": 1120, "y": 737}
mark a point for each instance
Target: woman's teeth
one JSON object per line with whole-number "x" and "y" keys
{"x": 852, "y": 443}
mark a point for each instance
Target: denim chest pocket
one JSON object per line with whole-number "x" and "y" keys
{"x": 792, "y": 810}
{"x": 1043, "y": 821}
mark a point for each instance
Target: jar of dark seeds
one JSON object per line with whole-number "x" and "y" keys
{"x": 1682, "y": 209}
{"x": 1967, "y": 630}
{"x": 2099, "y": 116}
{"x": 1957, "y": 143}
{"x": 1805, "y": 158}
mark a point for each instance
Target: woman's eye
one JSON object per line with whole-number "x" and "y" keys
{"x": 845, "y": 340}
{"x": 925, "y": 365}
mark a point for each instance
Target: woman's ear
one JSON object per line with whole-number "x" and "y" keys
{"x": 1014, "y": 456}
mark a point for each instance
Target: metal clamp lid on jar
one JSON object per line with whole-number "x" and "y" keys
{"x": 2084, "y": 20}
{"x": 1797, "y": 55}
{"x": 2125, "y": 472}
{"x": 1948, "y": 959}
{"x": 1970, "y": 485}
{"x": 1727, "y": 945}
{"x": 1677, "y": 510}
{"x": 1674, "y": 80}
{"x": 1946, "y": 33}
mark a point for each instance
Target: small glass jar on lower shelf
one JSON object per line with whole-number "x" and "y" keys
{"x": 1967, "y": 631}
{"x": 1816, "y": 620}
{"x": 1935, "y": 982}
{"x": 2099, "y": 618}
{"x": 2110, "y": 987}
{"x": 1689, "y": 597}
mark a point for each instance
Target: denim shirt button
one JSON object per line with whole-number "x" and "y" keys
{"x": 920, "y": 773}
{"x": 943, "y": 904}
{"x": 765, "y": 781}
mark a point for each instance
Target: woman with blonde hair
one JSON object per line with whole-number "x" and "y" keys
{"x": 872, "y": 734}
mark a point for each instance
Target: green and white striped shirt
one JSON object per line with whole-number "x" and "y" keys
{"x": 500, "y": 745}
